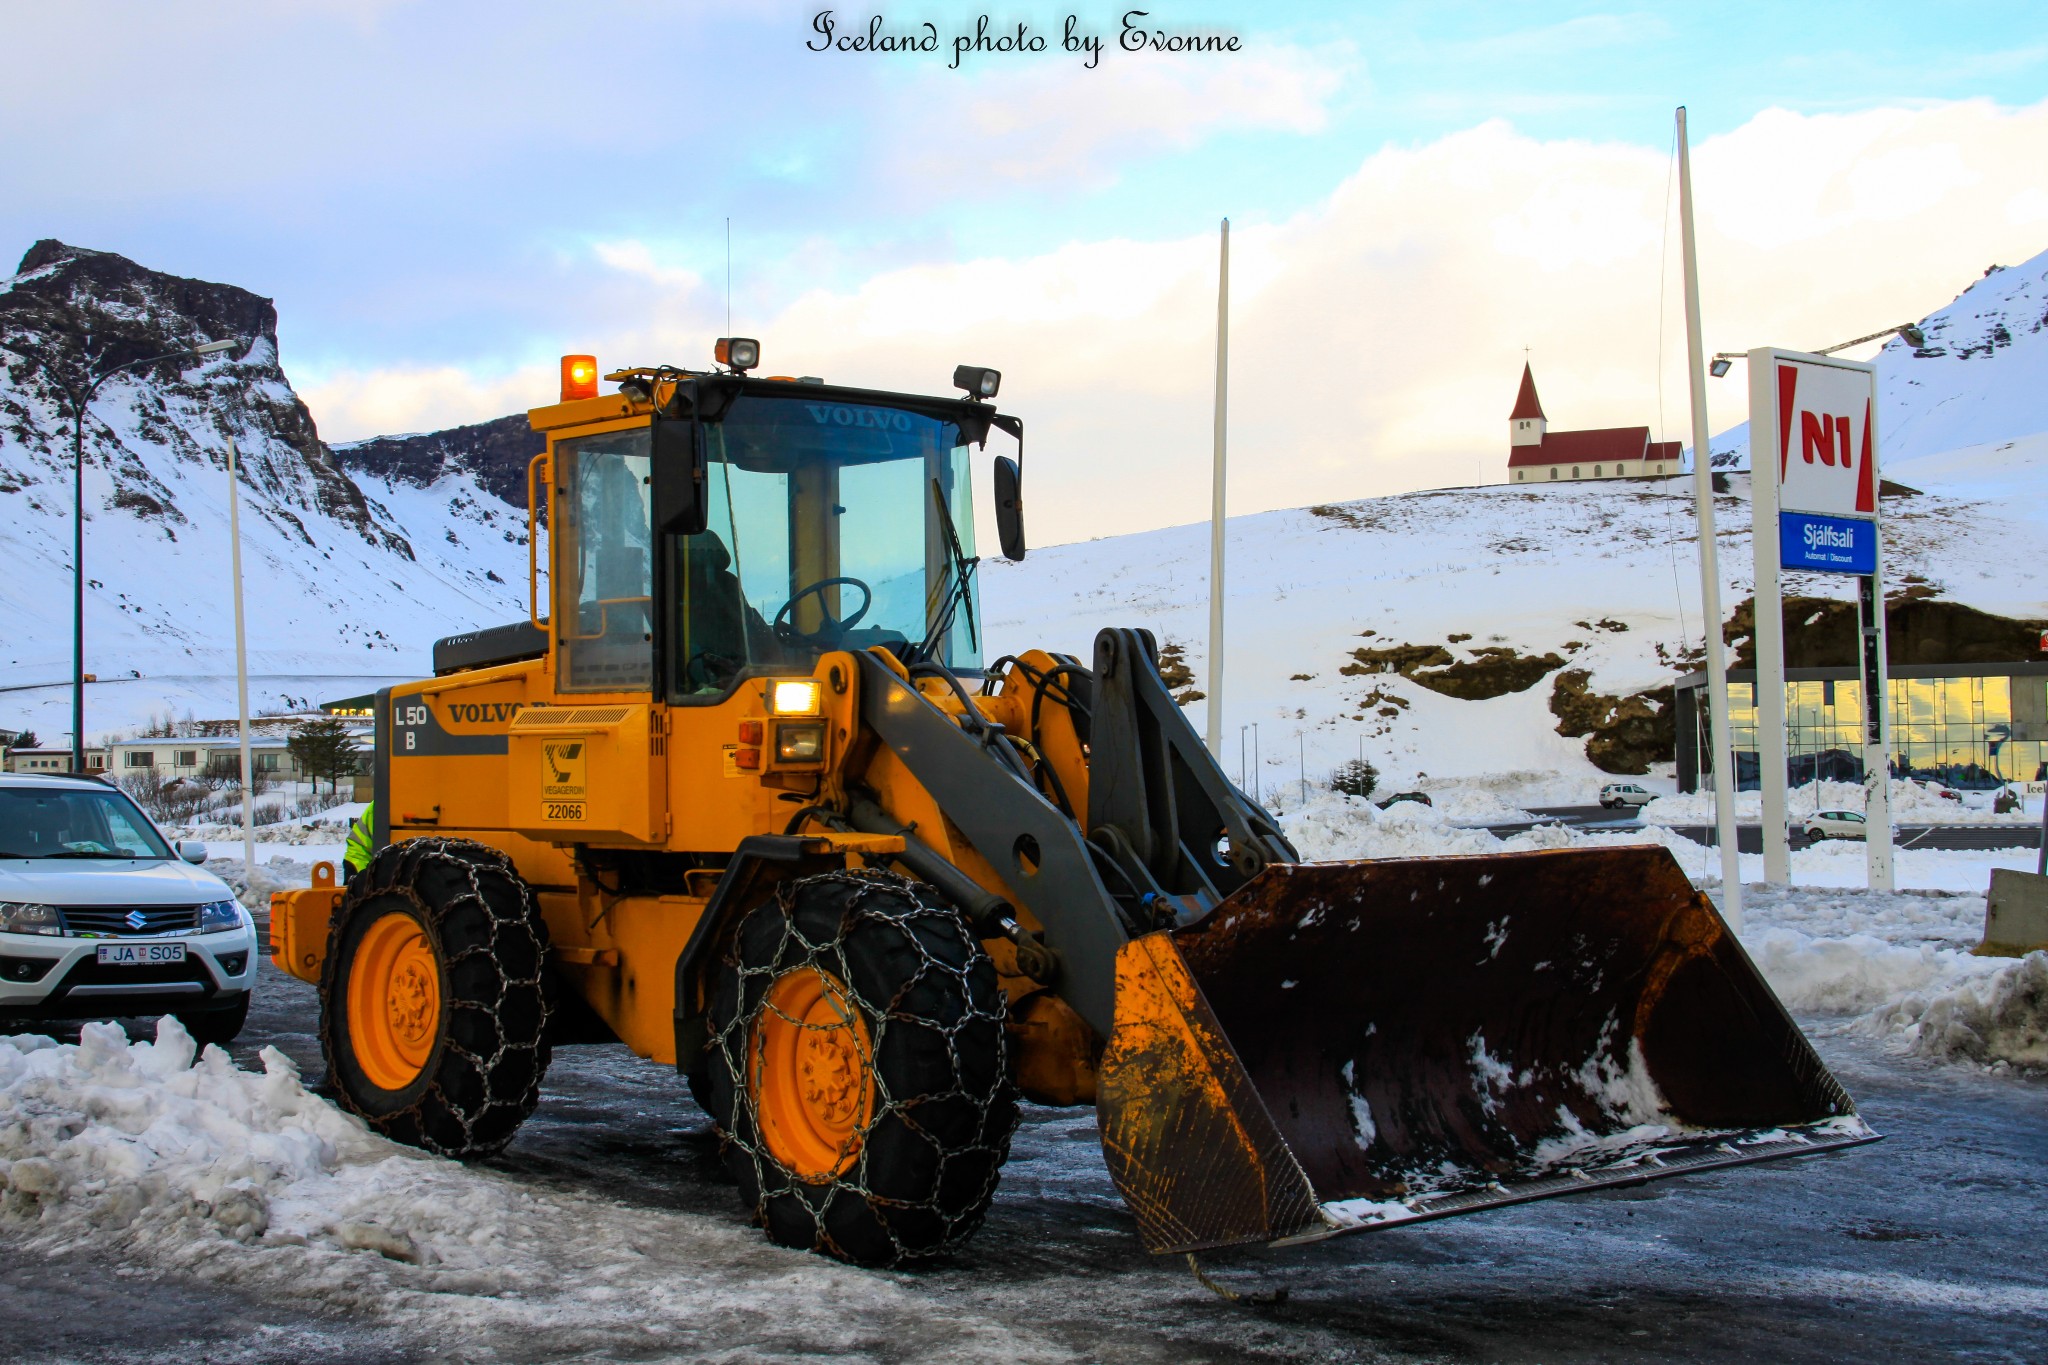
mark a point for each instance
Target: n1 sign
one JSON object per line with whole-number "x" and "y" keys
{"x": 1826, "y": 447}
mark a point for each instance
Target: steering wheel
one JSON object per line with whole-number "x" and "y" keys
{"x": 831, "y": 628}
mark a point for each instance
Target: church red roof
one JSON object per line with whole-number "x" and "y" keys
{"x": 1603, "y": 446}
{"x": 1526, "y": 404}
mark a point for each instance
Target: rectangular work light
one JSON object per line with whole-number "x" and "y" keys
{"x": 794, "y": 696}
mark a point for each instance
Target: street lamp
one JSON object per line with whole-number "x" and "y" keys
{"x": 79, "y": 399}
{"x": 1905, "y": 331}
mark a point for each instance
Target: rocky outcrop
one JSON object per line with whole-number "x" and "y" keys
{"x": 1920, "y": 628}
{"x": 494, "y": 453}
{"x": 1624, "y": 735}
{"x": 1491, "y": 671}
{"x": 71, "y": 313}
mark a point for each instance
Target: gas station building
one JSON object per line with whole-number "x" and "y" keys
{"x": 1970, "y": 726}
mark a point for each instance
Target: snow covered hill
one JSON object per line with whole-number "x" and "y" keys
{"x": 1454, "y": 633}
{"x": 1977, "y": 378}
{"x": 347, "y": 586}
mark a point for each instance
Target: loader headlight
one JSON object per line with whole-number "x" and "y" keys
{"x": 26, "y": 917}
{"x": 800, "y": 743}
{"x": 794, "y": 697}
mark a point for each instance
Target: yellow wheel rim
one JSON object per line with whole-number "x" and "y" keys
{"x": 813, "y": 1081}
{"x": 394, "y": 1001}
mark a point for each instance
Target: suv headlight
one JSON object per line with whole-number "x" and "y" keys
{"x": 26, "y": 917}
{"x": 217, "y": 917}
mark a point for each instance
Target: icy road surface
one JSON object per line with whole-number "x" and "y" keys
{"x": 608, "y": 1232}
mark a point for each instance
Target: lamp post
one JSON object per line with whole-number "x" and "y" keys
{"x": 1905, "y": 332}
{"x": 79, "y": 399}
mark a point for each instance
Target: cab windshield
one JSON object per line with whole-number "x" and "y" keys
{"x": 832, "y": 525}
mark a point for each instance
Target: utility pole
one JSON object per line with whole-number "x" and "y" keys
{"x": 1216, "y": 509}
{"x": 1710, "y": 569}
{"x": 241, "y": 666}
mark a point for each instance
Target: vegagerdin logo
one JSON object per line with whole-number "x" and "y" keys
{"x": 986, "y": 36}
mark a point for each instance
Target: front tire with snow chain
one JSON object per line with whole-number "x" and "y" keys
{"x": 435, "y": 997}
{"x": 858, "y": 1071}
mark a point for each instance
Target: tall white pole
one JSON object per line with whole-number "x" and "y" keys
{"x": 241, "y": 665}
{"x": 1877, "y": 733}
{"x": 1215, "y": 707}
{"x": 1768, "y": 603}
{"x": 1710, "y": 568}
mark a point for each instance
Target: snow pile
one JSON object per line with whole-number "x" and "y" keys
{"x": 1999, "y": 1016}
{"x": 245, "y": 1178}
{"x": 169, "y": 1147}
{"x": 1912, "y": 803}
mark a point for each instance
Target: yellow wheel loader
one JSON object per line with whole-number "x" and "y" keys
{"x": 743, "y": 795}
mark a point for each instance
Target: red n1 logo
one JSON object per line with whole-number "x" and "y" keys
{"x": 1824, "y": 434}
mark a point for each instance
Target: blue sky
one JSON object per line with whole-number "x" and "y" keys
{"x": 454, "y": 192}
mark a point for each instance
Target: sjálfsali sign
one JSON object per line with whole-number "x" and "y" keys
{"x": 1807, "y": 540}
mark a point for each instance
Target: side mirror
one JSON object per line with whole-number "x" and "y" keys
{"x": 192, "y": 851}
{"x": 1009, "y": 507}
{"x": 680, "y": 504}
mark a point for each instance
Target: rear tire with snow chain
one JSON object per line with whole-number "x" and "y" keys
{"x": 858, "y": 1071}
{"x": 435, "y": 997}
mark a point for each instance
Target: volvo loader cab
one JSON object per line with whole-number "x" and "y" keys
{"x": 745, "y": 794}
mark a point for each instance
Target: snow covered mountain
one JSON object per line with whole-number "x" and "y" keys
{"x": 1977, "y": 378}
{"x": 345, "y": 587}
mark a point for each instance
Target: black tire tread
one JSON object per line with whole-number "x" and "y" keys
{"x": 484, "y": 1076}
{"x": 945, "y": 1108}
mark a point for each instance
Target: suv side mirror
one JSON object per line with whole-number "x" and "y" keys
{"x": 680, "y": 504}
{"x": 192, "y": 851}
{"x": 1009, "y": 507}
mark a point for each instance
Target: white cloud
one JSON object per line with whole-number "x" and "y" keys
{"x": 1046, "y": 124}
{"x": 1377, "y": 339}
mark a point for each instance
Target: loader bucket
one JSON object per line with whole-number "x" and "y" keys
{"x": 1346, "y": 1046}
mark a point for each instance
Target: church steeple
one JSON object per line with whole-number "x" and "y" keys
{"x": 1526, "y": 423}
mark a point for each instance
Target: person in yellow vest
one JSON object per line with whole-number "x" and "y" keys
{"x": 362, "y": 842}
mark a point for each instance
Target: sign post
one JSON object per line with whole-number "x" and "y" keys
{"x": 1813, "y": 462}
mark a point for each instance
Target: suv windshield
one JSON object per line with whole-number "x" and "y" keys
{"x": 831, "y": 526}
{"x": 74, "y": 823}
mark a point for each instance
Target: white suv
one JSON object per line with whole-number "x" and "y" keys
{"x": 1615, "y": 795}
{"x": 100, "y": 918}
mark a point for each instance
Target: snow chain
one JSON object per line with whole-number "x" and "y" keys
{"x": 878, "y": 903}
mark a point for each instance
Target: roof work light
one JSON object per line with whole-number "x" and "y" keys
{"x": 579, "y": 377}
{"x": 740, "y": 353}
{"x": 979, "y": 381}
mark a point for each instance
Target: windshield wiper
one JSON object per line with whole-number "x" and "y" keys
{"x": 80, "y": 853}
{"x": 958, "y": 592}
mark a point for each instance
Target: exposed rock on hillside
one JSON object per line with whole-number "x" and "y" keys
{"x": 1625, "y": 735}
{"x": 494, "y": 453}
{"x": 71, "y": 313}
{"x": 1920, "y": 628}
{"x": 1492, "y": 671}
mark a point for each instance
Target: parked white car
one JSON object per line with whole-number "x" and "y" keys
{"x": 101, "y": 919}
{"x": 1616, "y": 795}
{"x": 1834, "y": 824}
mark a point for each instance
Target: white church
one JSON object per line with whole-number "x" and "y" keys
{"x": 1539, "y": 455}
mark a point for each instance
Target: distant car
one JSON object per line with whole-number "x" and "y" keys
{"x": 1834, "y": 824}
{"x": 101, "y": 919}
{"x": 1616, "y": 795}
{"x": 1420, "y": 798}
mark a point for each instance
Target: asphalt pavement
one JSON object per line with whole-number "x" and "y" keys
{"x": 1923, "y": 1247}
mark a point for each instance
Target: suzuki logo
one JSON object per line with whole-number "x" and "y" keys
{"x": 136, "y": 919}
